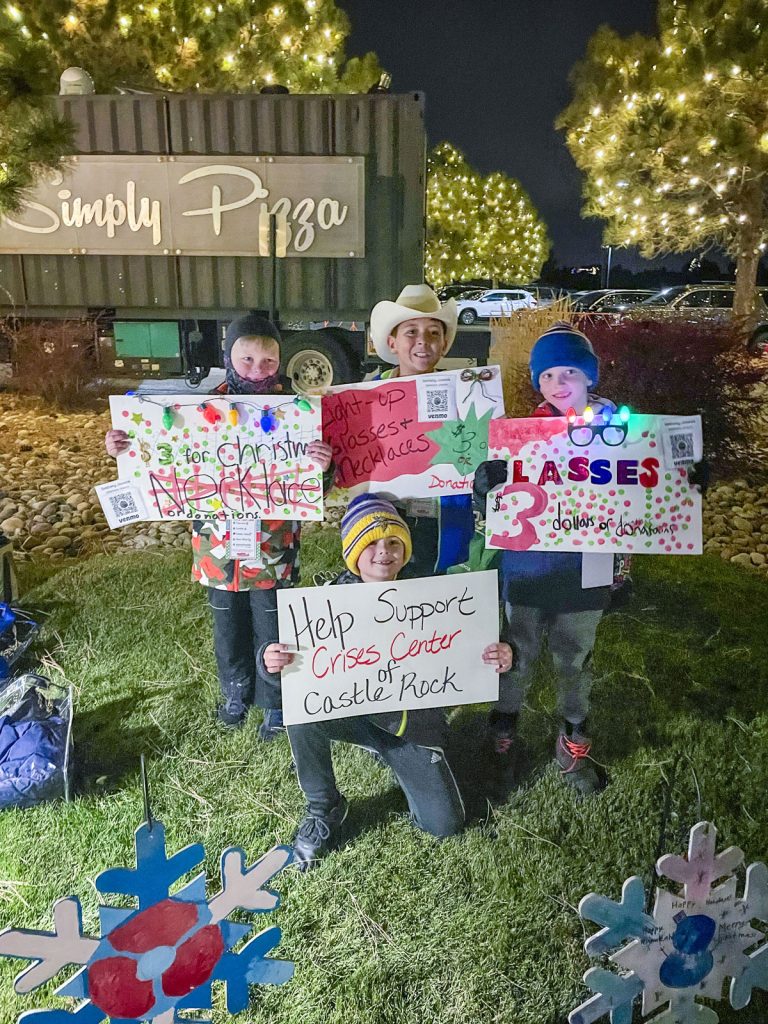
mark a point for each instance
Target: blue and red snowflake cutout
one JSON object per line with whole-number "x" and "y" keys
{"x": 154, "y": 961}
{"x": 688, "y": 948}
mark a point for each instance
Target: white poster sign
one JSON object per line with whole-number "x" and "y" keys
{"x": 379, "y": 647}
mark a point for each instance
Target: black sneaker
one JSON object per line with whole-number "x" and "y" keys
{"x": 318, "y": 834}
{"x": 272, "y": 725}
{"x": 230, "y": 715}
{"x": 572, "y": 754}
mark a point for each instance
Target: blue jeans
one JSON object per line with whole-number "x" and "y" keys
{"x": 423, "y": 773}
{"x": 242, "y": 622}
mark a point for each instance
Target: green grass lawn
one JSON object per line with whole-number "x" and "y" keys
{"x": 395, "y": 927}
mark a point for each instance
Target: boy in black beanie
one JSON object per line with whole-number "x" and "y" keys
{"x": 242, "y": 593}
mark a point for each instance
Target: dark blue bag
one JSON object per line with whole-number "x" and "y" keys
{"x": 35, "y": 741}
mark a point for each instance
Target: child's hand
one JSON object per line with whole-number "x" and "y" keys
{"x": 276, "y": 657}
{"x": 321, "y": 453}
{"x": 116, "y": 442}
{"x": 499, "y": 655}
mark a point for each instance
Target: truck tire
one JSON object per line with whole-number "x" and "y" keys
{"x": 467, "y": 316}
{"x": 316, "y": 359}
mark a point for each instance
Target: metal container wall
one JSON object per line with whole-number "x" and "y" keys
{"x": 387, "y": 130}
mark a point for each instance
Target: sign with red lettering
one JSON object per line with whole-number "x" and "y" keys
{"x": 413, "y": 437}
{"x": 375, "y": 648}
{"x": 605, "y": 484}
{"x": 215, "y": 457}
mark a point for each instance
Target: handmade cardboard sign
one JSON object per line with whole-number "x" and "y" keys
{"x": 413, "y": 437}
{"x": 380, "y": 647}
{"x": 161, "y": 956}
{"x": 236, "y": 457}
{"x": 617, "y": 484}
{"x": 686, "y": 950}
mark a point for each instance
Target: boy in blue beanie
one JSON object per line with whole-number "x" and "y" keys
{"x": 542, "y": 592}
{"x": 242, "y": 593}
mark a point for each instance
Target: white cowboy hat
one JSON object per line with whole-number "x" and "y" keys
{"x": 414, "y": 301}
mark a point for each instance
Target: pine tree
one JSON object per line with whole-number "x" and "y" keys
{"x": 179, "y": 45}
{"x": 672, "y": 134}
{"x": 32, "y": 136}
{"x": 479, "y": 227}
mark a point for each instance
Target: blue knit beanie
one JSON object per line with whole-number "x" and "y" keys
{"x": 563, "y": 345}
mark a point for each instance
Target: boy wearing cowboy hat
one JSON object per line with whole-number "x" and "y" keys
{"x": 413, "y": 333}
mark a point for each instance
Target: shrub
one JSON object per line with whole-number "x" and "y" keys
{"x": 52, "y": 360}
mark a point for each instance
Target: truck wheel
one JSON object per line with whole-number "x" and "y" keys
{"x": 317, "y": 359}
{"x": 758, "y": 343}
{"x": 467, "y": 316}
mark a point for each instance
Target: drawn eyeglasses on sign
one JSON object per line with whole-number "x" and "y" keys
{"x": 611, "y": 433}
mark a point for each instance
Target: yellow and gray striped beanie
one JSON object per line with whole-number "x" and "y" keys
{"x": 370, "y": 518}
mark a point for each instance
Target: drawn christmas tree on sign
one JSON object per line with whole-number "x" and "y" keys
{"x": 688, "y": 948}
{"x": 151, "y": 962}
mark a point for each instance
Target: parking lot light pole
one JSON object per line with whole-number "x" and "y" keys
{"x": 608, "y": 265}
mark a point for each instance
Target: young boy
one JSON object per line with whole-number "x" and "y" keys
{"x": 243, "y": 593}
{"x": 413, "y": 333}
{"x": 541, "y": 590}
{"x": 376, "y": 543}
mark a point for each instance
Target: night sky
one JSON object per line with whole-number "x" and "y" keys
{"x": 495, "y": 74}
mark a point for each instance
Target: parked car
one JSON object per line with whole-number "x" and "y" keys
{"x": 546, "y": 294}
{"x": 610, "y": 300}
{"x": 494, "y": 303}
{"x": 704, "y": 303}
{"x": 461, "y": 291}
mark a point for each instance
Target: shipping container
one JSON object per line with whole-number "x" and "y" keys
{"x": 181, "y": 212}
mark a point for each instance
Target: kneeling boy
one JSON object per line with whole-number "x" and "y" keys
{"x": 376, "y": 544}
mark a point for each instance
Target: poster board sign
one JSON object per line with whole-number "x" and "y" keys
{"x": 217, "y": 457}
{"x": 380, "y": 647}
{"x": 596, "y": 487}
{"x": 412, "y": 437}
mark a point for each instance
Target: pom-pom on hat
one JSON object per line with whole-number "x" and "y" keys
{"x": 563, "y": 345}
{"x": 250, "y": 326}
{"x": 415, "y": 301}
{"x": 370, "y": 518}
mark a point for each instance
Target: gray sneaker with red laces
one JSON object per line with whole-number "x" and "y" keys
{"x": 572, "y": 753}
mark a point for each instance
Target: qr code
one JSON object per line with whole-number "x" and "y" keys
{"x": 437, "y": 404}
{"x": 682, "y": 447}
{"x": 124, "y": 507}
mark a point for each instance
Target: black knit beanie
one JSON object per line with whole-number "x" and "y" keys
{"x": 250, "y": 326}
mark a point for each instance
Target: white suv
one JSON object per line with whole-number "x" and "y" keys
{"x": 494, "y": 303}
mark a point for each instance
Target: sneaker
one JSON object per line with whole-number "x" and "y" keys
{"x": 501, "y": 736}
{"x": 318, "y": 834}
{"x": 572, "y": 754}
{"x": 272, "y": 725}
{"x": 230, "y": 715}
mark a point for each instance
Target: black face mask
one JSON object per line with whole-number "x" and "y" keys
{"x": 238, "y": 385}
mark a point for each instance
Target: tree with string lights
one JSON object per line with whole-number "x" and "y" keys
{"x": 479, "y": 227}
{"x": 672, "y": 134}
{"x": 32, "y": 135}
{"x": 225, "y": 46}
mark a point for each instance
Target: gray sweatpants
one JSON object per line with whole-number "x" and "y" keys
{"x": 571, "y": 639}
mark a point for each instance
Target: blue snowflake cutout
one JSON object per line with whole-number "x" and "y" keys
{"x": 687, "y": 948}
{"x": 153, "y": 961}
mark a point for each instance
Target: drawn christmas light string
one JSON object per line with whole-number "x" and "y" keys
{"x": 153, "y": 961}
{"x": 237, "y": 412}
{"x": 687, "y": 948}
